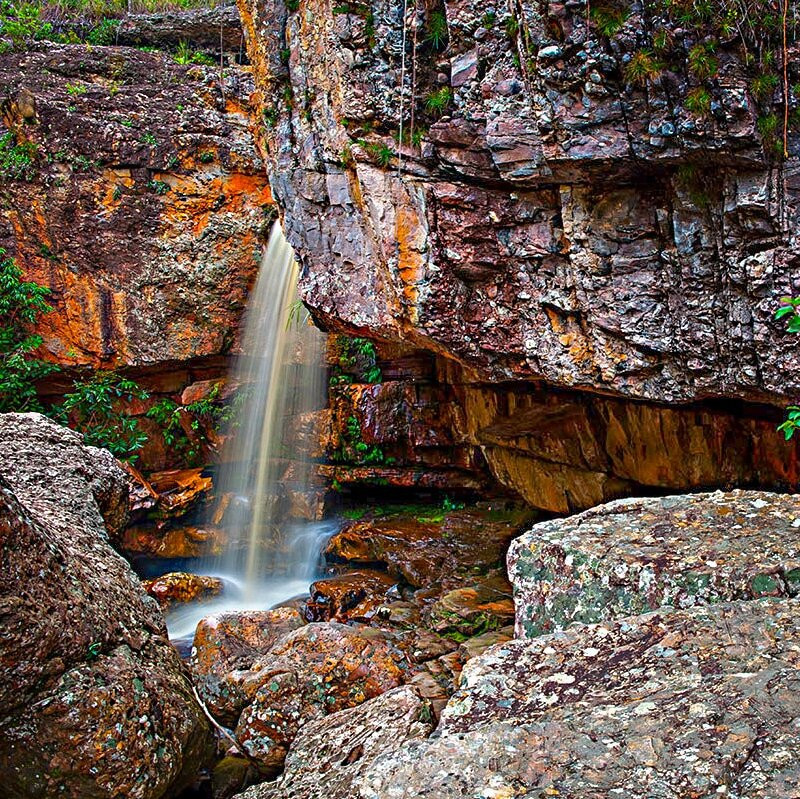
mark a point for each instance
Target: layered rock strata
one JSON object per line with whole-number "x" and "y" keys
{"x": 558, "y": 220}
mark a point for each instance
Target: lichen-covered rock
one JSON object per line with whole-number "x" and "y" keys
{"x": 95, "y": 701}
{"x": 226, "y": 643}
{"x": 329, "y": 757}
{"x": 58, "y": 478}
{"x": 675, "y": 704}
{"x": 631, "y": 556}
{"x": 314, "y": 671}
{"x": 179, "y": 587}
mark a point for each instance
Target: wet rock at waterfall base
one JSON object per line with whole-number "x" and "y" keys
{"x": 314, "y": 671}
{"x": 95, "y": 701}
{"x": 632, "y": 556}
{"x": 180, "y": 587}
{"x": 432, "y": 546}
{"x": 168, "y": 541}
{"x": 228, "y": 643}
{"x": 180, "y": 490}
{"x": 355, "y": 595}
{"x": 330, "y": 756}
{"x": 476, "y": 608}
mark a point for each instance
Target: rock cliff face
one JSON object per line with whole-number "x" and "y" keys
{"x": 544, "y": 227}
{"x": 550, "y": 221}
{"x": 143, "y": 205}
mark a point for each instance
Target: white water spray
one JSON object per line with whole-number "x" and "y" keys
{"x": 266, "y": 461}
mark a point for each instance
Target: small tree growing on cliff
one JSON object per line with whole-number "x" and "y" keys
{"x": 21, "y": 305}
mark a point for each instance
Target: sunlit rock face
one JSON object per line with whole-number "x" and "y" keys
{"x": 144, "y": 206}
{"x": 555, "y": 222}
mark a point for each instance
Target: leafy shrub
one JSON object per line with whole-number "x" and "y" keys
{"x": 23, "y": 22}
{"x": 184, "y": 54}
{"x": 21, "y": 305}
{"x": 789, "y": 311}
{"x": 186, "y": 427}
{"x": 16, "y": 158}
{"x": 104, "y": 33}
{"x": 95, "y": 407}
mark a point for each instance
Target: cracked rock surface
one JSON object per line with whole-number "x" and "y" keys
{"x": 544, "y": 227}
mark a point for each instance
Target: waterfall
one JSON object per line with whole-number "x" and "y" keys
{"x": 270, "y": 555}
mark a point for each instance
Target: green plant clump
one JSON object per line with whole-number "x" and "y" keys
{"x": 439, "y": 100}
{"x": 357, "y": 362}
{"x": 185, "y": 427}
{"x": 96, "y": 408}
{"x": 354, "y": 449}
{"x": 789, "y": 310}
{"x": 436, "y": 33}
{"x": 158, "y": 186}
{"x": 16, "y": 158}
{"x": 21, "y": 305}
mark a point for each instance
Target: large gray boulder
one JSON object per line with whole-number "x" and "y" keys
{"x": 635, "y": 555}
{"x": 95, "y": 701}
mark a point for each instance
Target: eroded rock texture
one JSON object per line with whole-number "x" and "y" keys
{"x": 543, "y": 229}
{"x": 95, "y": 701}
{"x": 144, "y": 206}
{"x": 631, "y": 556}
{"x": 687, "y": 703}
{"x": 330, "y": 757}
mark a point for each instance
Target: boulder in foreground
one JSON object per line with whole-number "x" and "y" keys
{"x": 95, "y": 701}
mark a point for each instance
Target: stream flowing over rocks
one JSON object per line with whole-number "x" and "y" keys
{"x": 95, "y": 700}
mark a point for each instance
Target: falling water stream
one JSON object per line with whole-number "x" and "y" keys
{"x": 270, "y": 556}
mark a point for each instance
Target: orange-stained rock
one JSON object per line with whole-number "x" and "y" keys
{"x": 316, "y": 670}
{"x": 180, "y": 490}
{"x": 182, "y": 541}
{"x": 200, "y": 390}
{"x": 180, "y": 587}
{"x": 142, "y": 497}
{"x": 355, "y": 595}
{"x": 143, "y": 216}
{"x": 229, "y": 642}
